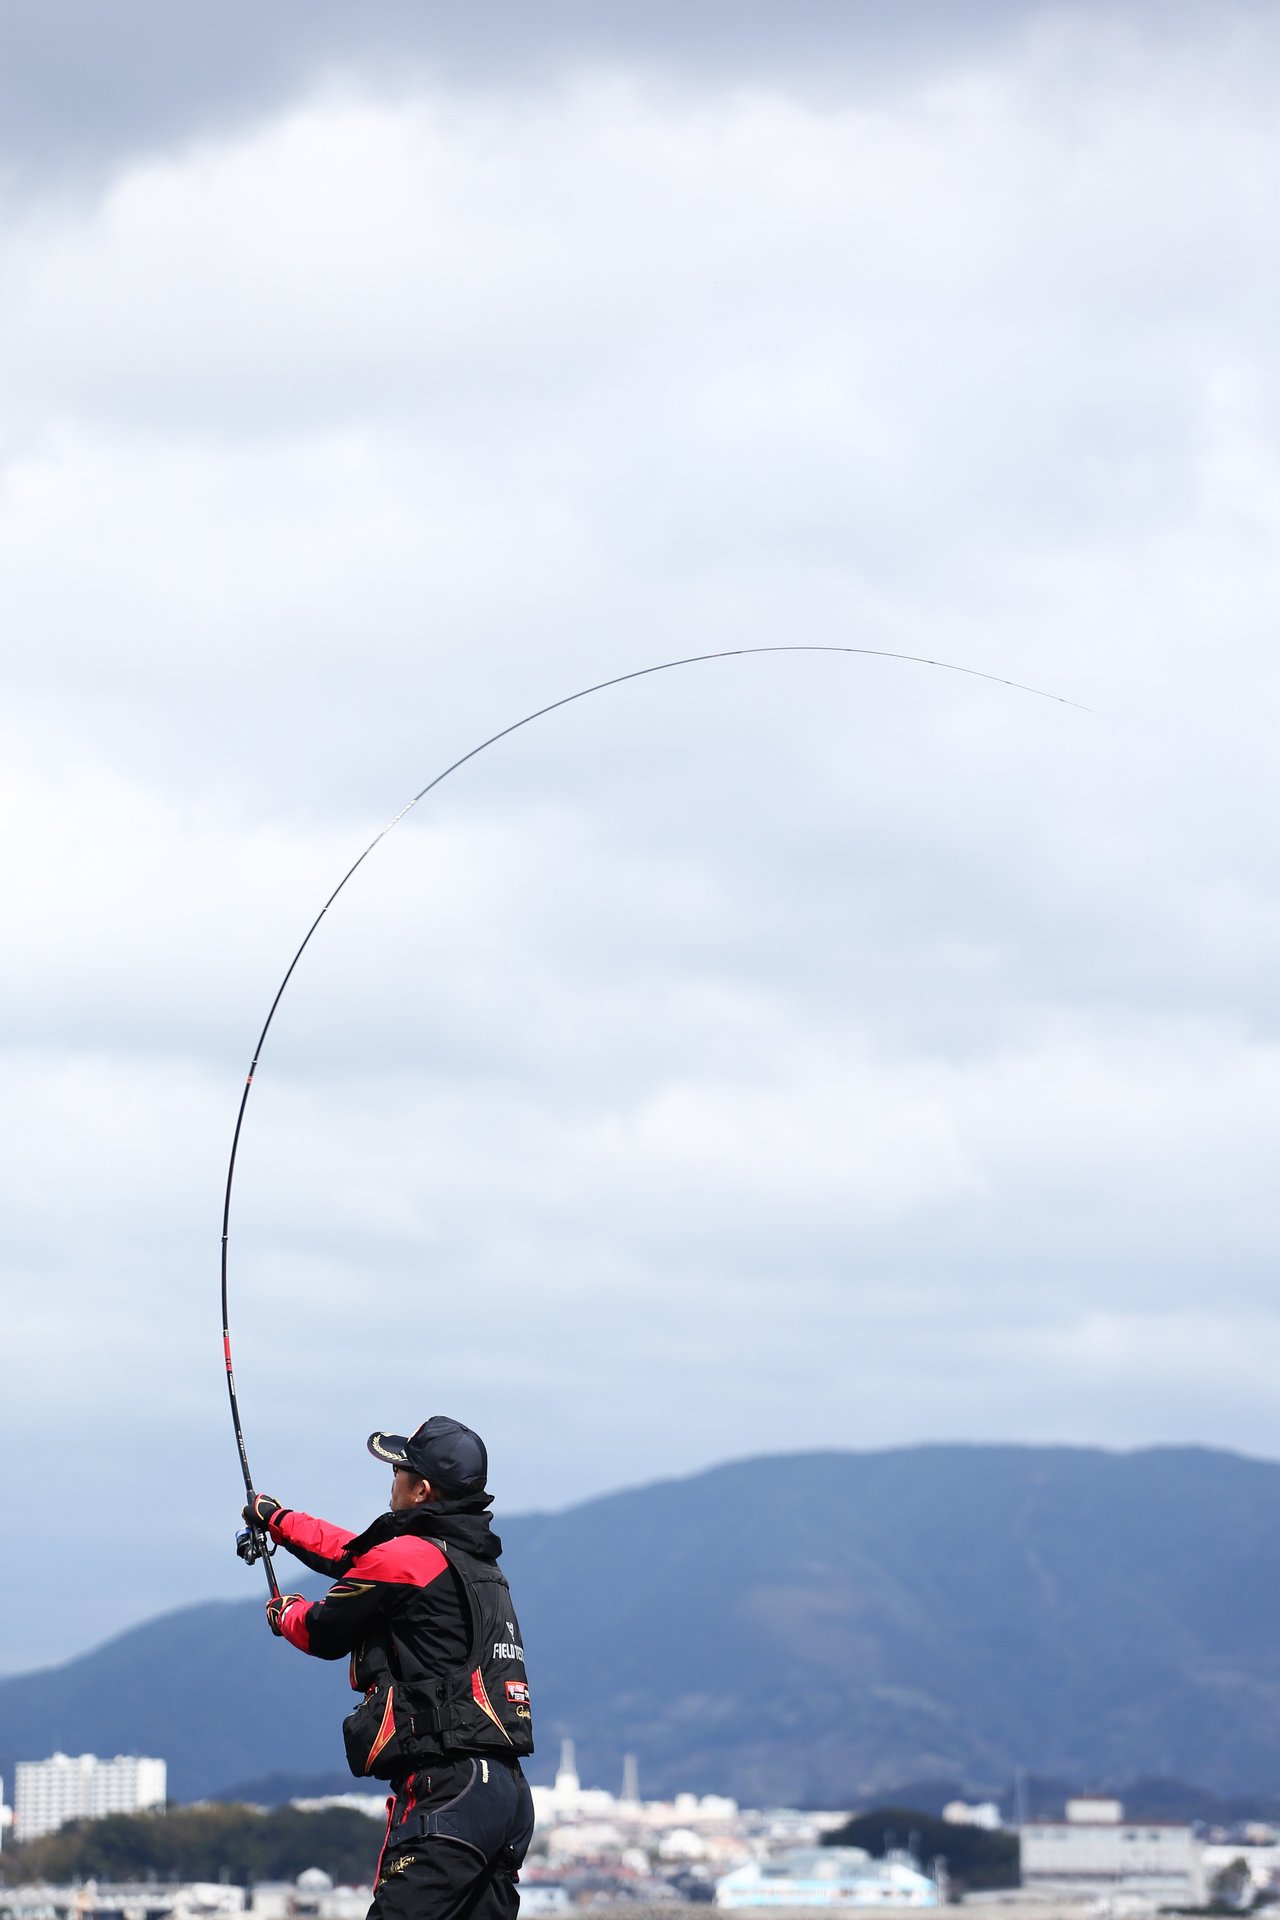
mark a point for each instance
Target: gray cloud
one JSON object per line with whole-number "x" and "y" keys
{"x": 792, "y": 1053}
{"x": 82, "y": 86}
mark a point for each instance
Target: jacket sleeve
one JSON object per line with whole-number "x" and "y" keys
{"x": 333, "y": 1626}
{"x": 316, "y": 1543}
{"x": 373, "y": 1588}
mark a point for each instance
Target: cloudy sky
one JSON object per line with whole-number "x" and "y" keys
{"x": 785, "y": 1053}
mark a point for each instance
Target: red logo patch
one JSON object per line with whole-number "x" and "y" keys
{"x": 518, "y": 1692}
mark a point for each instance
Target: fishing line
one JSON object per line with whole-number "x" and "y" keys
{"x": 259, "y": 1546}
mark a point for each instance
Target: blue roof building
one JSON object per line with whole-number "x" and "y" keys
{"x": 827, "y": 1877}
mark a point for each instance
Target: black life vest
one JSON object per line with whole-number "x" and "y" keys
{"x": 414, "y": 1712}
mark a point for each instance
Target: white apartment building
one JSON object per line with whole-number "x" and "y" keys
{"x": 48, "y": 1793}
{"x": 1096, "y": 1849}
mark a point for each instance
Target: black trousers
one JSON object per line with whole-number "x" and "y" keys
{"x": 456, "y": 1835}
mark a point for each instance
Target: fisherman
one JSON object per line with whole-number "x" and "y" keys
{"x": 422, "y": 1609}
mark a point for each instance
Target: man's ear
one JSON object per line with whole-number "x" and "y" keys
{"x": 423, "y": 1492}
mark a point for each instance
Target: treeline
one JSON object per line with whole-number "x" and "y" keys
{"x": 231, "y": 1843}
{"x": 975, "y": 1857}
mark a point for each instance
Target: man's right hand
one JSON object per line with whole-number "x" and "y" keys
{"x": 278, "y": 1605}
{"x": 261, "y": 1510}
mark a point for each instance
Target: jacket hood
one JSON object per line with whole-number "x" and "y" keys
{"x": 460, "y": 1521}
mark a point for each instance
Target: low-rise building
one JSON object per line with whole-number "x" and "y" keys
{"x": 828, "y": 1877}
{"x": 372, "y": 1805}
{"x": 312, "y": 1896}
{"x": 964, "y": 1813}
{"x": 1095, "y": 1849}
{"x": 124, "y": 1900}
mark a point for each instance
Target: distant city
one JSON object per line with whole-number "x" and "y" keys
{"x": 593, "y": 1846}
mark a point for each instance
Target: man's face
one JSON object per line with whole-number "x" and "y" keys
{"x": 408, "y": 1489}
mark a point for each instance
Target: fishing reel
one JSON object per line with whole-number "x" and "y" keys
{"x": 253, "y": 1546}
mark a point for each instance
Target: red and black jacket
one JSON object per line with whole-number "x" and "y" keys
{"x": 418, "y": 1594}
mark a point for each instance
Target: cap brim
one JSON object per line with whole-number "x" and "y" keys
{"x": 391, "y": 1447}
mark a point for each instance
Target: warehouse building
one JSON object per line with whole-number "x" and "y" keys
{"x": 1095, "y": 1849}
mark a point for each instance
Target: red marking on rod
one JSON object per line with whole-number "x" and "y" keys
{"x": 226, "y": 1348}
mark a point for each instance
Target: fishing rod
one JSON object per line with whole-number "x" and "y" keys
{"x": 254, "y": 1543}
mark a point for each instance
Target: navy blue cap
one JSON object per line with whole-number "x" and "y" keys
{"x": 443, "y": 1451}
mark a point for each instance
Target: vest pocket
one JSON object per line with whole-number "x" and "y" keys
{"x": 370, "y": 1736}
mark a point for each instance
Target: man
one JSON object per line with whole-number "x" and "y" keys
{"x": 436, "y": 1652}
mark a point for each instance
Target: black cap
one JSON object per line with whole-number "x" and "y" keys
{"x": 443, "y": 1451}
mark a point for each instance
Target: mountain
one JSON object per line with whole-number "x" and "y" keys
{"x": 806, "y": 1628}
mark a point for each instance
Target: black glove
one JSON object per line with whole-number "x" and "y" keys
{"x": 261, "y": 1510}
{"x": 276, "y": 1606}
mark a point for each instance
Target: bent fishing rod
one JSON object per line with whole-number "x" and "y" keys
{"x": 254, "y": 1543}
